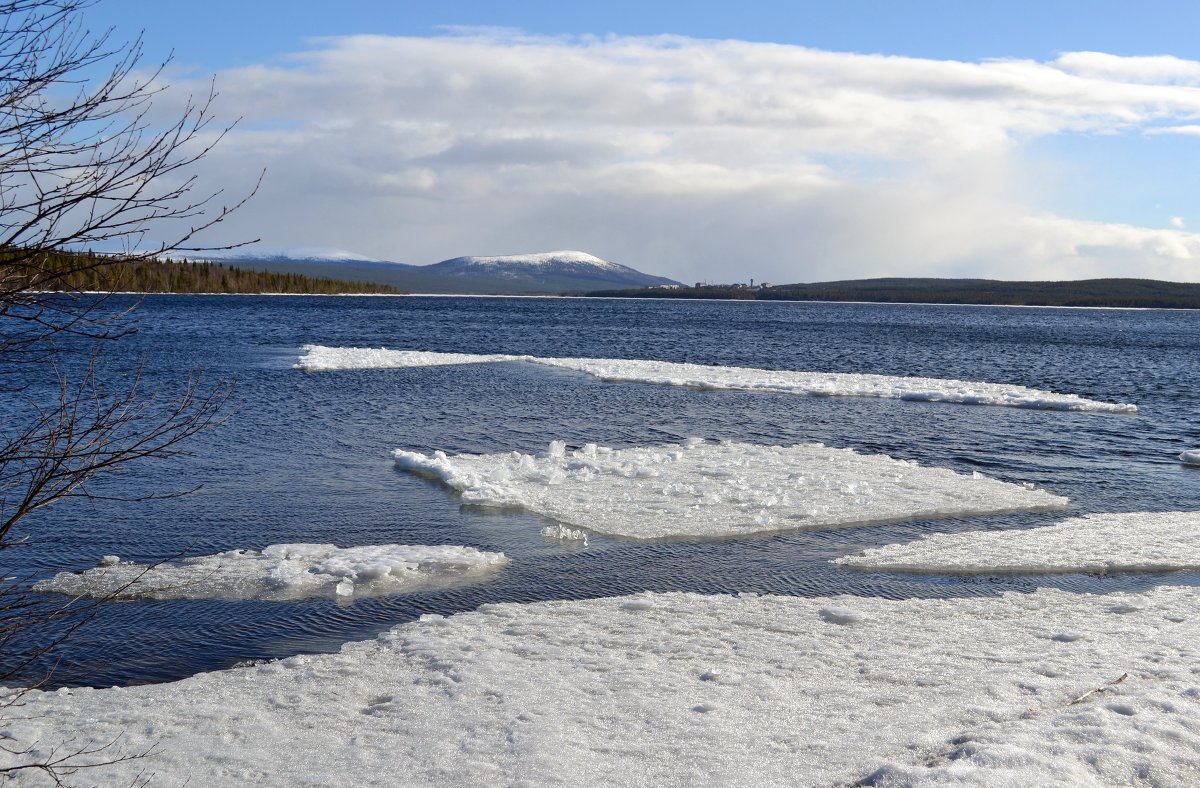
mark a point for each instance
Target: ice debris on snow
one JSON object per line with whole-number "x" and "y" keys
{"x": 1190, "y": 457}
{"x": 283, "y": 572}
{"x": 699, "y": 376}
{"x": 683, "y": 689}
{"x": 705, "y": 489}
{"x": 1096, "y": 543}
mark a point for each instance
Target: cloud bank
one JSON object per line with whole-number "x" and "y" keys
{"x": 696, "y": 159}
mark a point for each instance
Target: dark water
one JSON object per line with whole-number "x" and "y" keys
{"x": 305, "y": 458}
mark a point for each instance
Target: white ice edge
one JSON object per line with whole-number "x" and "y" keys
{"x": 1097, "y": 543}
{"x": 706, "y": 489}
{"x": 825, "y": 384}
{"x": 1190, "y": 457}
{"x": 1045, "y": 688}
{"x": 284, "y": 572}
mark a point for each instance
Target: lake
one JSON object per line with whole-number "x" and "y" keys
{"x": 306, "y": 456}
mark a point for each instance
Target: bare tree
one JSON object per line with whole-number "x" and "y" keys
{"x": 83, "y": 164}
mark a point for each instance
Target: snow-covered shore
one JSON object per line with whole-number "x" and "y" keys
{"x": 1048, "y": 688}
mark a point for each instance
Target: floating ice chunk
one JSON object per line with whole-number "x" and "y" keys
{"x": 317, "y": 358}
{"x": 565, "y": 534}
{"x": 830, "y": 384}
{"x": 610, "y": 692}
{"x": 1190, "y": 457}
{"x": 1133, "y": 542}
{"x": 699, "y": 376}
{"x": 284, "y": 572}
{"x": 718, "y": 490}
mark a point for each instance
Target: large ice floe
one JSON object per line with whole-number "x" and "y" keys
{"x": 1045, "y": 688}
{"x": 699, "y": 376}
{"x": 1130, "y": 542}
{"x": 284, "y": 572}
{"x": 706, "y": 489}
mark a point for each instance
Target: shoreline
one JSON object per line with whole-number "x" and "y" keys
{"x": 549, "y": 296}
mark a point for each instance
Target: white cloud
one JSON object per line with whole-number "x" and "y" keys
{"x": 692, "y": 158}
{"x": 1153, "y": 69}
{"x": 1191, "y": 130}
{"x": 1177, "y": 222}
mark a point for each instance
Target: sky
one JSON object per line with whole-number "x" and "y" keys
{"x": 705, "y": 141}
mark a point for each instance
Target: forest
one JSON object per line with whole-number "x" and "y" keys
{"x": 92, "y": 272}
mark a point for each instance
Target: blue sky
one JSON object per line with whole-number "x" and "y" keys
{"x": 918, "y": 157}
{"x": 221, "y": 33}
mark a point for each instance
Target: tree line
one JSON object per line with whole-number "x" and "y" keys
{"x": 96, "y": 273}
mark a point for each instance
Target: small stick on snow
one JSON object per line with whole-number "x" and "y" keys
{"x": 1107, "y": 686}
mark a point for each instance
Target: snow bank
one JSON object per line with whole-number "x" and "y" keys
{"x": 717, "y": 489}
{"x": 1190, "y": 457}
{"x": 1133, "y": 542}
{"x": 681, "y": 690}
{"x": 283, "y": 572}
{"x": 820, "y": 384}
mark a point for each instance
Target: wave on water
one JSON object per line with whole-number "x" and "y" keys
{"x": 820, "y": 384}
{"x": 283, "y": 572}
{"x": 705, "y": 489}
{"x": 1098, "y": 543}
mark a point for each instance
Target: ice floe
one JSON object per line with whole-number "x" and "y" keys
{"x": 706, "y": 489}
{"x": 1045, "y": 688}
{"x": 1129, "y": 542}
{"x": 324, "y": 359}
{"x": 565, "y": 534}
{"x": 699, "y": 376}
{"x": 283, "y": 572}
{"x": 1190, "y": 457}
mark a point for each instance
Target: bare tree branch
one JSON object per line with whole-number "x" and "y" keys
{"x": 84, "y": 162}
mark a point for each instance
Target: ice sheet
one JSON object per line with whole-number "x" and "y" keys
{"x": 283, "y": 572}
{"x": 683, "y": 690}
{"x": 1190, "y": 457}
{"x": 705, "y": 489}
{"x": 1130, "y": 542}
{"x": 316, "y": 358}
{"x": 699, "y": 376}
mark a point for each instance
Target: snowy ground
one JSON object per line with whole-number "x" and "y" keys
{"x": 1048, "y": 688}
{"x": 1128, "y": 542}
{"x": 705, "y": 489}
{"x": 284, "y": 572}
{"x": 822, "y": 384}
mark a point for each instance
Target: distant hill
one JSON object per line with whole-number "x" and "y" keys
{"x": 543, "y": 273}
{"x": 1134, "y": 293}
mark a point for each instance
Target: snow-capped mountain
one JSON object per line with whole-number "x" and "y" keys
{"x": 543, "y": 272}
{"x": 552, "y": 269}
{"x": 575, "y": 261}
